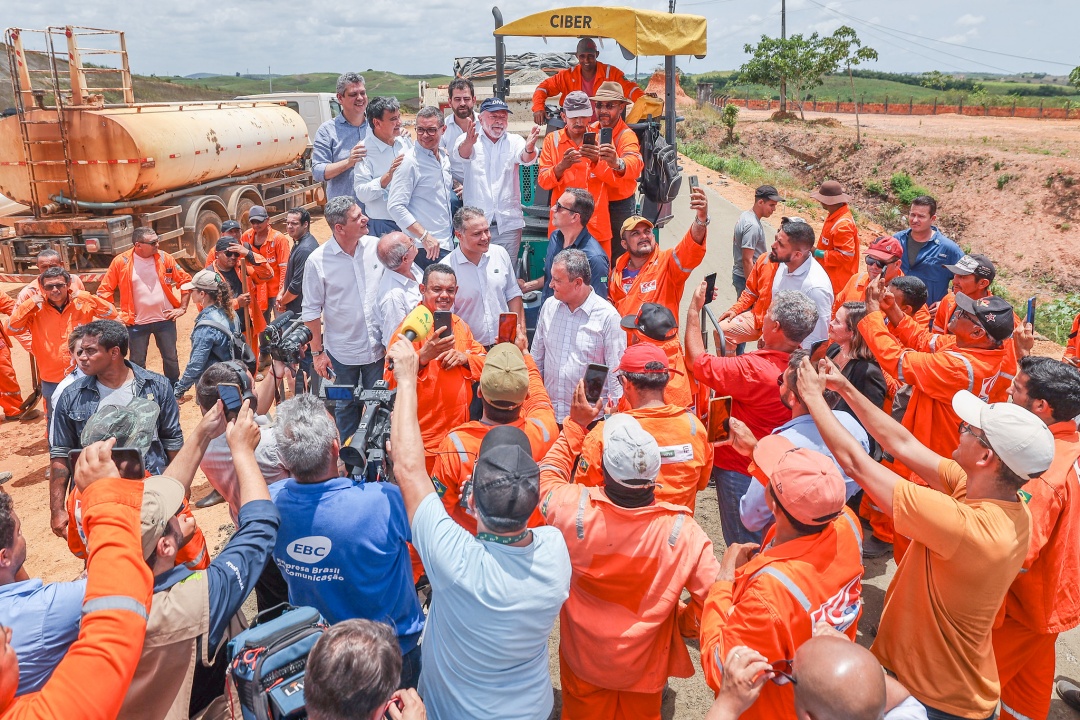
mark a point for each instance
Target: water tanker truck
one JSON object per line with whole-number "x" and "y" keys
{"x": 92, "y": 171}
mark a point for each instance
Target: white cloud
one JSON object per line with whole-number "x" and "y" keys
{"x": 754, "y": 18}
{"x": 970, "y": 20}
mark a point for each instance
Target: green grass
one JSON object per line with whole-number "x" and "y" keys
{"x": 743, "y": 169}
{"x": 1053, "y": 319}
{"x": 403, "y": 87}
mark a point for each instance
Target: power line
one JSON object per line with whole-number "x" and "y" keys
{"x": 943, "y": 42}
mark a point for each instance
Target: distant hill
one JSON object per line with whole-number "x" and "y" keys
{"x": 379, "y": 82}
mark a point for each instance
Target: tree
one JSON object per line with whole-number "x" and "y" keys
{"x": 801, "y": 61}
{"x": 935, "y": 80}
{"x": 729, "y": 117}
{"x": 846, "y": 48}
{"x": 1074, "y": 77}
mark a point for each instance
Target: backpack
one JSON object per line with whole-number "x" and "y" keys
{"x": 661, "y": 177}
{"x": 267, "y": 663}
{"x": 239, "y": 348}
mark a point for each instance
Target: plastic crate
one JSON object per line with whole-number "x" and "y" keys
{"x": 528, "y": 175}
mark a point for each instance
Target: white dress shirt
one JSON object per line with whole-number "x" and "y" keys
{"x": 420, "y": 192}
{"x": 812, "y": 281}
{"x": 369, "y": 171}
{"x": 398, "y": 295}
{"x": 492, "y": 182}
{"x": 567, "y": 341}
{"x": 484, "y": 291}
{"x": 449, "y": 140}
{"x": 342, "y": 290}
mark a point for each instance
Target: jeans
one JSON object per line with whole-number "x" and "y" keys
{"x": 378, "y": 228}
{"x": 932, "y": 714}
{"x": 740, "y": 285}
{"x": 47, "y": 390}
{"x": 347, "y": 418}
{"x": 730, "y": 487}
{"x": 619, "y": 211}
{"x": 307, "y": 380}
{"x": 410, "y": 668}
{"x": 422, "y": 260}
{"x": 164, "y": 332}
{"x": 510, "y": 240}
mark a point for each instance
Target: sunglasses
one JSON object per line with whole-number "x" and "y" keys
{"x": 230, "y": 254}
{"x": 62, "y": 286}
{"x": 559, "y": 206}
{"x": 257, "y": 222}
{"x": 874, "y": 262}
{"x": 781, "y": 670}
{"x": 147, "y": 242}
{"x": 979, "y": 438}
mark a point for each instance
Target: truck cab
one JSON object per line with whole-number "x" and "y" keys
{"x": 314, "y": 107}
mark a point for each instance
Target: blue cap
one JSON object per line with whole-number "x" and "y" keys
{"x": 493, "y": 104}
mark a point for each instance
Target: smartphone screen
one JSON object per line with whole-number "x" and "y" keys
{"x": 719, "y": 418}
{"x": 693, "y": 182}
{"x": 590, "y": 139}
{"x": 1031, "y": 311}
{"x": 595, "y": 377}
{"x": 444, "y": 319}
{"x": 338, "y": 393}
{"x": 508, "y": 323}
{"x": 605, "y": 136}
{"x": 710, "y": 287}
{"x": 128, "y": 461}
{"x": 232, "y": 398}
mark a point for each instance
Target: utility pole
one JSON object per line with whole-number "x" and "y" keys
{"x": 783, "y": 36}
{"x": 270, "y": 77}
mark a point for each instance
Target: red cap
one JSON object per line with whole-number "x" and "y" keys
{"x": 886, "y": 247}
{"x": 806, "y": 483}
{"x": 638, "y": 356}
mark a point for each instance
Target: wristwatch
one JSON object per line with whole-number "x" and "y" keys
{"x": 703, "y": 224}
{"x": 317, "y": 353}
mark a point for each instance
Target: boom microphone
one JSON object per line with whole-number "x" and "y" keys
{"x": 417, "y": 324}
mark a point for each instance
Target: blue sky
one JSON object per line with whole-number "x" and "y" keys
{"x": 423, "y": 36}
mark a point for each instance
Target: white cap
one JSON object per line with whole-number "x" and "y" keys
{"x": 630, "y": 453}
{"x": 1017, "y": 436}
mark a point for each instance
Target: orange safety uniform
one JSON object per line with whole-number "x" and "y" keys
{"x": 93, "y": 677}
{"x": 839, "y": 241}
{"x": 10, "y": 393}
{"x": 685, "y": 454}
{"x": 443, "y": 396}
{"x": 661, "y": 279}
{"x": 193, "y": 554}
{"x": 49, "y": 329}
{"x": 33, "y": 290}
{"x": 681, "y": 387}
{"x": 1072, "y": 347}
{"x": 855, "y": 291}
{"x": 628, "y": 147}
{"x": 623, "y": 624}
{"x": 570, "y": 79}
{"x": 757, "y": 297}
{"x": 276, "y": 250}
{"x": 255, "y": 281}
{"x": 598, "y": 178}
{"x": 118, "y": 277}
{"x": 777, "y": 598}
{"x": 1044, "y": 600}
{"x": 458, "y": 451}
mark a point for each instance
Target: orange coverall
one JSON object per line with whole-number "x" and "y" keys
{"x": 33, "y": 290}
{"x": 93, "y": 678}
{"x": 1044, "y": 600}
{"x": 855, "y": 291}
{"x": 10, "y": 393}
{"x": 761, "y": 610}
{"x": 839, "y": 240}
{"x": 118, "y": 277}
{"x": 598, "y": 178}
{"x": 256, "y": 281}
{"x": 755, "y": 299}
{"x": 458, "y": 451}
{"x": 628, "y": 147}
{"x": 443, "y": 396}
{"x": 569, "y": 80}
{"x": 1072, "y": 347}
{"x": 49, "y": 329}
{"x": 680, "y": 389}
{"x": 685, "y": 454}
{"x": 276, "y": 250}
{"x": 661, "y": 279}
{"x": 622, "y": 627}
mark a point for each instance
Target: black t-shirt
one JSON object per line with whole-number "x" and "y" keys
{"x": 233, "y": 279}
{"x": 294, "y": 273}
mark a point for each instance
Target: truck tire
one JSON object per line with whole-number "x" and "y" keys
{"x": 207, "y": 232}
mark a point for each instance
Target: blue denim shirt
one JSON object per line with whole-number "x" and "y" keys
{"x": 333, "y": 142}
{"x": 929, "y": 263}
{"x": 598, "y": 260}
{"x": 80, "y": 400}
{"x": 208, "y": 346}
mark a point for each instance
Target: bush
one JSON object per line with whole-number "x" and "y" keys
{"x": 905, "y": 188}
{"x": 728, "y": 118}
{"x": 873, "y": 187}
{"x": 1054, "y": 319}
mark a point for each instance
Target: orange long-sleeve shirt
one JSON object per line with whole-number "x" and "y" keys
{"x": 1072, "y": 347}
{"x": 839, "y": 240}
{"x": 569, "y": 80}
{"x": 758, "y": 293}
{"x": 623, "y": 624}
{"x": 855, "y": 291}
{"x": 760, "y": 611}
{"x": 443, "y": 396}
{"x": 49, "y": 329}
{"x": 458, "y": 451}
{"x": 276, "y": 250}
{"x": 934, "y": 376}
{"x": 661, "y": 279}
{"x": 628, "y": 148}
{"x": 685, "y": 454}
{"x": 118, "y": 277}
{"x": 93, "y": 678}
{"x": 259, "y": 275}
{"x": 598, "y": 178}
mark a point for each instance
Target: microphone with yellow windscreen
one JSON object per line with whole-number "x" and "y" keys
{"x": 416, "y": 326}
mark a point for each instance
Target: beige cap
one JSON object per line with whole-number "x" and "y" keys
{"x": 504, "y": 381}
{"x": 162, "y": 498}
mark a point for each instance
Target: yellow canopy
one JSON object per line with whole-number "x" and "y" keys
{"x": 641, "y": 32}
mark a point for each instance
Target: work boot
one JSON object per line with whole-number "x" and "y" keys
{"x": 1070, "y": 693}
{"x": 4, "y": 477}
{"x": 210, "y": 500}
{"x": 873, "y": 547}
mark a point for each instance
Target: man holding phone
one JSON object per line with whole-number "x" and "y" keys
{"x": 620, "y": 149}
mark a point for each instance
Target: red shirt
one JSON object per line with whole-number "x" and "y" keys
{"x": 750, "y": 380}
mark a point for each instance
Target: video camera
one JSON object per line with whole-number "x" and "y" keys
{"x": 365, "y": 451}
{"x": 285, "y": 337}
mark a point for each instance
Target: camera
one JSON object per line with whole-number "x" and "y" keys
{"x": 285, "y": 337}
{"x": 365, "y": 451}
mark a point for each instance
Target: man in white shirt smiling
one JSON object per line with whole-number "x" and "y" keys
{"x": 386, "y": 148}
{"x": 793, "y": 249}
{"x": 491, "y": 158}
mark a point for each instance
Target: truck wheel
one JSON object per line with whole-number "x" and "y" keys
{"x": 207, "y": 232}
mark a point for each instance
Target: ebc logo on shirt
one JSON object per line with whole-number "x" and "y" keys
{"x": 648, "y": 286}
{"x": 310, "y": 550}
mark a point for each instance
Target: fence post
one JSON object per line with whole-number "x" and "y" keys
{"x": 911, "y": 105}
{"x": 837, "y": 103}
{"x": 886, "y": 104}
{"x": 960, "y": 107}
{"x": 935, "y": 104}
{"x": 1014, "y": 108}
{"x": 815, "y": 104}
{"x": 747, "y": 100}
{"x": 1040, "y": 108}
{"x": 1067, "y": 104}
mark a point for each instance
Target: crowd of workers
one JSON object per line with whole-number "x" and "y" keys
{"x": 880, "y": 412}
